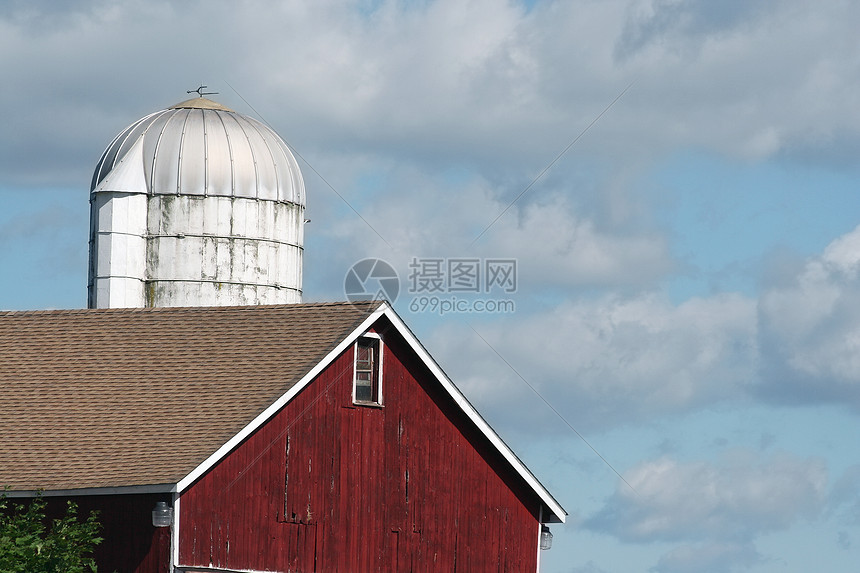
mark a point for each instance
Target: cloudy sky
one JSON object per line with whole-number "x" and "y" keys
{"x": 676, "y": 179}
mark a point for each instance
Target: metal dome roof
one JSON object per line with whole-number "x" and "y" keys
{"x": 200, "y": 147}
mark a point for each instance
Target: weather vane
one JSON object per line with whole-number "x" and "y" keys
{"x": 200, "y": 91}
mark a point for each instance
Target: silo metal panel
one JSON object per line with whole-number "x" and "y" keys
{"x": 127, "y": 255}
{"x": 233, "y": 269}
{"x": 292, "y": 184}
{"x": 297, "y": 224}
{"x": 118, "y": 292}
{"x": 287, "y": 258}
{"x": 153, "y": 216}
{"x": 244, "y": 168}
{"x": 118, "y": 256}
{"x": 248, "y": 294}
{"x": 267, "y": 260}
{"x": 167, "y": 264}
{"x": 168, "y": 154}
{"x": 103, "y": 257}
{"x": 130, "y": 137}
{"x": 210, "y": 215}
{"x": 103, "y": 210}
{"x": 192, "y": 162}
{"x": 114, "y": 248}
{"x": 239, "y": 218}
{"x": 279, "y": 262}
{"x": 262, "y": 264}
{"x": 156, "y": 255}
{"x": 108, "y": 160}
{"x": 191, "y": 292}
{"x": 151, "y": 142}
{"x": 288, "y": 217}
{"x": 219, "y": 164}
{"x": 128, "y": 174}
{"x": 225, "y": 217}
{"x": 167, "y": 212}
{"x": 264, "y": 295}
{"x": 267, "y": 176}
{"x": 277, "y": 182}
{"x": 223, "y": 258}
{"x": 266, "y": 219}
{"x": 291, "y": 188}
{"x": 188, "y": 265}
{"x": 280, "y": 223}
{"x": 119, "y": 146}
{"x": 250, "y": 224}
{"x": 262, "y": 222}
{"x": 210, "y": 258}
{"x": 247, "y": 268}
{"x": 298, "y": 184}
{"x": 194, "y": 212}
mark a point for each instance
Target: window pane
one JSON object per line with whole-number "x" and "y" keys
{"x": 363, "y": 393}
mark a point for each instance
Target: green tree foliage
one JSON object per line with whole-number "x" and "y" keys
{"x": 30, "y": 545}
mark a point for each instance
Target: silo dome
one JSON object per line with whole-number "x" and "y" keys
{"x": 196, "y": 205}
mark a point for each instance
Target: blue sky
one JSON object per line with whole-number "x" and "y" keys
{"x": 688, "y": 271}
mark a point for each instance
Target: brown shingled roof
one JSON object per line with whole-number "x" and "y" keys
{"x": 134, "y": 397}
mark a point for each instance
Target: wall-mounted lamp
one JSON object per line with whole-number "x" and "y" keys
{"x": 162, "y": 515}
{"x": 545, "y": 538}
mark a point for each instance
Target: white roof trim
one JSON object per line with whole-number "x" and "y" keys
{"x": 174, "y": 531}
{"x": 558, "y": 514}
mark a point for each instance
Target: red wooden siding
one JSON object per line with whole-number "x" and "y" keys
{"x": 329, "y": 486}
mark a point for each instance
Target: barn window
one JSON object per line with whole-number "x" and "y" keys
{"x": 368, "y": 366}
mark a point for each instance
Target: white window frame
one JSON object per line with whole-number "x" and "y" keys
{"x": 378, "y": 402}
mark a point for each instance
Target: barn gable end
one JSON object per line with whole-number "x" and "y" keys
{"x": 329, "y": 485}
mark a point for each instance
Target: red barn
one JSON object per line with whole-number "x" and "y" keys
{"x": 306, "y": 437}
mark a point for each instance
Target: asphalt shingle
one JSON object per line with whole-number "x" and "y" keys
{"x": 129, "y": 397}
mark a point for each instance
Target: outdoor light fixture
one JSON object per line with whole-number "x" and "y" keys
{"x": 545, "y": 538}
{"x": 162, "y": 516}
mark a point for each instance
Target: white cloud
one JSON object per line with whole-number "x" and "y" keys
{"x": 810, "y": 329}
{"x": 612, "y": 361}
{"x": 715, "y": 510}
{"x": 749, "y": 79}
{"x": 620, "y": 359}
{"x": 484, "y": 83}
{"x": 555, "y": 246}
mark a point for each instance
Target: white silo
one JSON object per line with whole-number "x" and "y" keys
{"x": 196, "y": 205}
